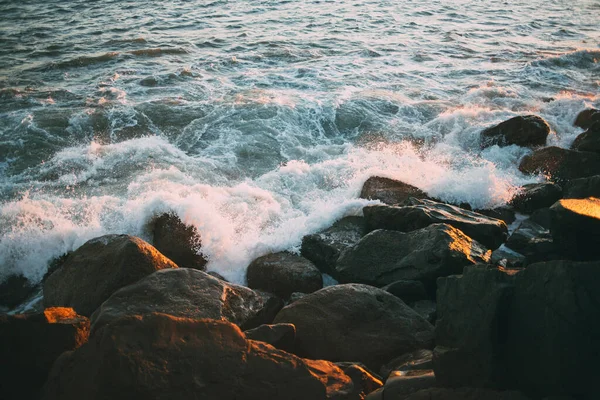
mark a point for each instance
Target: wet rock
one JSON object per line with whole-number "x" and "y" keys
{"x": 179, "y": 242}
{"x": 157, "y": 356}
{"x": 586, "y": 118}
{"x": 582, "y": 188}
{"x": 184, "y": 292}
{"x": 389, "y": 191}
{"x": 416, "y": 360}
{"x": 533, "y": 241}
{"x": 524, "y": 131}
{"x": 507, "y": 258}
{"x": 488, "y": 231}
{"x": 575, "y": 228}
{"x": 383, "y": 256}
{"x": 426, "y": 309}
{"x": 14, "y": 290}
{"x": 324, "y": 248}
{"x": 589, "y": 140}
{"x": 505, "y": 214}
{"x": 355, "y": 323}
{"x": 281, "y": 336}
{"x": 454, "y": 394}
{"x": 100, "y": 267}
{"x": 534, "y": 196}
{"x": 400, "y": 385}
{"x": 363, "y": 379}
{"x": 29, "y": 345}
{"x": 554, "y": 328}
{"x": 471, "y": 331}
{"x": 561, "y": 164}
{"x": 407, "y": 291}
{"x": 283, "y": 274}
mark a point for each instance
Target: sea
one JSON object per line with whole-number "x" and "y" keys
{"x": 258, "y": 121}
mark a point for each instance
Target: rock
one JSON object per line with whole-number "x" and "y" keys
{"x": 454, "y": 394}
{"x": 363, "y": 379}
{"x": 383, "y": 257}
{"x": 542, "y": 217}
{"x": 471, "y": 329}
{"x": 295, "y": 297}
{"x": 355, "y": 323}
{"x": 426, "y": 309}
{"x": 157, "y": 356}
{"x": 400, "y": 385}
{"x": 179, "y": 242}
{"x": 281, "y": 336}
{"x": 507, "y": 258}
{"x": 283, "y": 274}
{"x": 389, "y": 191}
{"x": 29, "y": 345}
{"x": 14, "y": 290}
{"x": 408, "y": 291}
{"x": 534, "y": 196}
{"x": 561, "y": 164}
{"x": 588, "y": 140}
{"x": 552, "y": 345}
{"x": 100, "y": 267}
{"x": 586, "y": 118}
{"x": 575, "y": 228}
{"x": 488, "y": 231}
{"x": 504, "y": 213}
{"x": 524, "y": 131}
{"x": 416, "y": 360}
{"x": 184, "y": 292}
{"x": 534, "y": 242}
{"x": 324, "y": 248}
{"x": 582, "y": 188}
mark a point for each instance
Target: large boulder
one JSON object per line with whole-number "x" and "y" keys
{"x": 552, "y": 346}
{"x": 488, "y": 231}
{"x": 355, "y": 323}
{"x": 452, "y": 394}
{"x": 534, "y": 196}
{"x": 575, "y": 228}
{"x": 179, "y": 242}
{"x": 588, "y": 140}
{"x": 524, "y": 131}
{"x": 157, "y": 356}
{"x": 100, "y": 267}
{"x": 532, "y": 241}
{"x": 561, "y": 164}
{"x": 582, "y": 188}
{"x": 185, "y": 292}
{"x": 29, "y": 345}
{"x": 389, "y": 191}
{"x": 471, "y": 329}
{"x": 408, "y": 291}
{"x": 281, "y": 336}
{"x": 383, "y": 256}
{"x": 324, "y": 248}
{"x": 283, "y": 274}
{"x": 586, "y": 118}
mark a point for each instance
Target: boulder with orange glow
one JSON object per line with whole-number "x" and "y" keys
{"x": 157, "y": 356}
{"x": 389, "y": 191}
{"x": 575, "y": 228}
{"x": 29, "y": 345}
{"x": 99, "y": 268}
{"x": 561, "y": 164}
{"x": 179, "y": 242}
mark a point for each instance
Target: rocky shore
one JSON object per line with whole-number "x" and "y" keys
{"x": 433, "y": 301}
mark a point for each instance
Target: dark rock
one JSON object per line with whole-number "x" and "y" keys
{"x": 179, "y": 242}
{"x": 533, "y": 241}
{"x": 361, "y": 376}
{"x": 389, "y": 191}
{"x": 400, "y": 385}
{"x": 383, "y": 257}
{"x": 575, "y": 228}
{"x": 588, "y": 140}
{"x": 582, "y": 188}
{"x": 324, "y": 248}
{"x": 283, "y": 274}
{"x": 542, "y": 217}
{"x": 535, "y": 196}
{"x": 100, "y": 267}
{"x": 29, "y": 345}
{"x": 488, "y": 231}
{"x": 471, "y": 329}
{"x": 454, "y": 394}
{"x": 157, "y": 356}
{"x": 14, "y": 290}
{"x": 355, "y": 323}
{"x": 416, "y": 360}
{"x": 407, "y": 291}
{"x": 281, "y": 336}
{"x": 217, "y": 275}
{"x": 561, "y": 164}
{"x": 505, "y": 214}
{"x": 183, "y": 292}
{"x": 507, "y": 258}
{"x": 296, "y": 296}
{"x": 586, "y": 118}
{"x": 426, "y": 309}
{"x": 553, "y": 344}
{"x": 524, "y": 131}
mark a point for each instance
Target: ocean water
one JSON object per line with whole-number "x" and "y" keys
{"x": 259, "y": 121}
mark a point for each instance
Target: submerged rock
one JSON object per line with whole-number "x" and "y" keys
{"x": 582, "y": 188}
{"x": 575, "y": 228}
{"x": 383, "y": 257}
{"x": 561, "y": 164}
{"x": 586, "y": 118}
{"x": 100, "y": 267}
{"x": 283, "y": 274}
{"x": 389, "y": 191}
{"x": 534, "y": 196}
{"x": 589, "y": 140}
{"x": 488, "y": 231}
{"x": 157, "y": 356}
{"x": 179, "y": 242}
{"x": 29, "y": 345}
{"x": 524, "y": 131}
{"x": 355, "y": 323}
